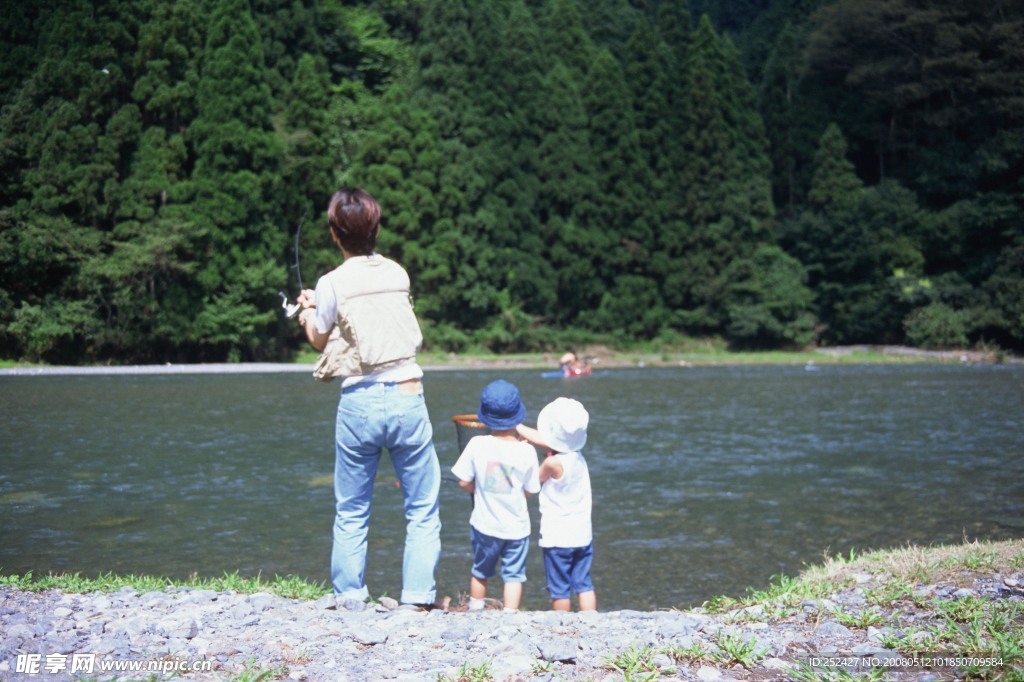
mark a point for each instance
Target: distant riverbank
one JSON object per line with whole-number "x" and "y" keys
{"x": 601, "y": 357}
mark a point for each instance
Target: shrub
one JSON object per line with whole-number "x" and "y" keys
{"x": 936, "y": 326}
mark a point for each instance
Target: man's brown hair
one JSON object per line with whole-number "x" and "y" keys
{"x": 354, "y": 219}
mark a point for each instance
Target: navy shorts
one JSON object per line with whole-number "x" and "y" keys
{"x": 568, "y": 570}
{"x": 487, "y": 550}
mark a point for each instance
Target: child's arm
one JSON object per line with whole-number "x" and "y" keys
{"x": 551, "y": 468}
{"x": 463, "y": 470}
{"x": 532, "y": 435}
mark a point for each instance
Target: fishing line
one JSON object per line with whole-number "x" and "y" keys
{"x": 298, "y": 231}
{"x": 290, "y": 309}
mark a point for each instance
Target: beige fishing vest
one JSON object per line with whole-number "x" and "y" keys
{"x": 378, "y": 328}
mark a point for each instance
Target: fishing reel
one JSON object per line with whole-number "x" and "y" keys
{"x": 290, "y": 309}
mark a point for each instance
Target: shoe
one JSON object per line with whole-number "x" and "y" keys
{"x": 440, "y": 605}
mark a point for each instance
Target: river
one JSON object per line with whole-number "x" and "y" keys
{"x": 706, "y": 480}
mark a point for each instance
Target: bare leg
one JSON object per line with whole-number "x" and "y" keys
{"x": 477, "y": 587}
{"x": 513, "y": 595}
{"x": 588, "y": 601}
{"x": 560, "y": 605}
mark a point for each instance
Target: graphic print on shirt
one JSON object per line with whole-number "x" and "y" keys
{"x": 498, "y": 478}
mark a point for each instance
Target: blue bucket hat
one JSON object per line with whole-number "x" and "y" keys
{"x": 500, "y": 406}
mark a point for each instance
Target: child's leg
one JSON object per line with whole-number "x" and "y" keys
{"x": 561, "y": 604}
{"x": 513, "y": 571}
{"x": 477, "y": 592}
{"x": 486, "y": 551}
{"x": 582, "y": 558}
{"x": 556, "y": 568}
{"x": 513, "y": 595}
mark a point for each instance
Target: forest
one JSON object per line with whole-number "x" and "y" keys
{"x": 771, "y": 173}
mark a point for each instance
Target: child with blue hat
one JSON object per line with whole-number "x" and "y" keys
{"x": 500, "y": 470}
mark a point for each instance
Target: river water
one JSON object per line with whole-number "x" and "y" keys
{"x": 706, "y": 480}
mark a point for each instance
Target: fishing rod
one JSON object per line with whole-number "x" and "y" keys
{"x": 290, "y": 309}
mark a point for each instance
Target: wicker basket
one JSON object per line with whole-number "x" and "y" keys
{"x": 466, "y": 427}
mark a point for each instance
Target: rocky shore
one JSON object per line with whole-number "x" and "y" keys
{"x": 201, "y": 634}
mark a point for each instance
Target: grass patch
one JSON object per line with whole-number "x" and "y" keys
{"x": 636, "y": 663}
{"x": 727, "y": 650}
{"x": 470, "y": 673}
{"x": 290, "y": 587}
{"x": 899, "y": 568}
{"x": 897, "y": 586}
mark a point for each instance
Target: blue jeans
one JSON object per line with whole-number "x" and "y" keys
{"x": 371, "y": 417}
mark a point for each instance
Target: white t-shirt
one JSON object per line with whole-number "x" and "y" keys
{"x": 565, "y": 505}
{"x": 502, "y": 470}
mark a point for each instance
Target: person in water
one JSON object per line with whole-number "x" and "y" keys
{"x": 381, "y": 404}
{"x": 571, "y": 365}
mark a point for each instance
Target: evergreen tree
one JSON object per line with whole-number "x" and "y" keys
{"x": 398, "y": 159}
{"x": 622, "y": 225}
{"x": 235, "y": 187}
{"x": 610, "y": 23}
{"x": 446, "y": 59}
{"x": 565, "y": 168}
{"x": 510, "y": 103}
{"x": 769, "y": 301}
{"x": 157, "y": 156}
{"x": 567, "y": 40}
{"x": 928, "y": 89}
{"x": 834, "y": 177}
{"x": 170, "y": 46}
{"x": 307, "y": 170}
{"x": 675, "y": 24}
{"x": 726, "y": 202}
{"x": 1004, "y": 293}
{"x": 19, "y": 32}
{"x": 783, "y": 111}
{"x": 288, "y": 29}
{"x": 748, "y": 138}
{"x": 444, "y": 54}
{"x": 511, "y": 98}
{"x": 645, "y": 74}
{"x": 675, "y": 27}
{"x": 623, "y": 179}
{"x": 67, "y": 133}
{"x": 866, "y": 288}
{"x": 567, "y": 192}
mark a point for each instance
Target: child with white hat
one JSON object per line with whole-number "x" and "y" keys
{"x": 566, "y": 534}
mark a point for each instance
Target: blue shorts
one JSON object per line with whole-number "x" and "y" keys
{"x": 568, "y": 570}
{"x": 487, "y": 550}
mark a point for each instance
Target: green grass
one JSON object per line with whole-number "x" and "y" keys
{"x": 470, "y": 673}
{"x": 966, "y": 626}
{"x": 290, "y": 587}
{"x": 634, "y": 664}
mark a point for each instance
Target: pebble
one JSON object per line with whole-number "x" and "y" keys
{"x": 233, "y": 634}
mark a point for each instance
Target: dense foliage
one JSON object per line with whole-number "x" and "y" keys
{"x": 776, "y": 173}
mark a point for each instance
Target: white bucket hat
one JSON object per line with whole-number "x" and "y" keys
{"x": 563, "y": 425}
